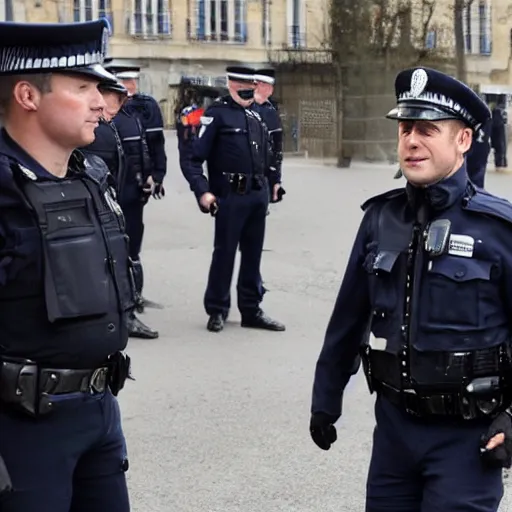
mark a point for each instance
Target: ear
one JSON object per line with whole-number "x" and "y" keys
{"x": 27, "y": 96}
{"x": 466, "y": 139}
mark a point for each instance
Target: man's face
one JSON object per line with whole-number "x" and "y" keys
{"x": 235, "y": 86}
{"x": 130, "y": 84}
{"x": 429, "y": 151}
{"x": 114, "y": 101}
{"x": 263, "y": 92}
{"x": 70, "y": 112}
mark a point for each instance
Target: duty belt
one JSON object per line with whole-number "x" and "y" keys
{"x": 26, "y": 386}
{"x": 241, "y": 183}
{"x": 484, "y": 391}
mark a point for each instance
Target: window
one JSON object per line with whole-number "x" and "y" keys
{"x": 296, "y": 23}
{"x": 150, "y": 18}
{"x": 477, "y": 27}
{"x": 221, "y": 20}
{"x": 6, "y": 10}
{"x": 431, "y": 40}
{"x": 87, "y": 10}
{"x": 266, "y": 34}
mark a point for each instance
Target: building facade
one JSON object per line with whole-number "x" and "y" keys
{"x": 172, "y": 39}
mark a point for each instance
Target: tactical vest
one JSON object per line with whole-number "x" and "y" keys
{"x": 441, "y": 318}
{"x": 80, "y": 287}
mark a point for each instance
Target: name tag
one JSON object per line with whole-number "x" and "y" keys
{"x": 461, "y": 245}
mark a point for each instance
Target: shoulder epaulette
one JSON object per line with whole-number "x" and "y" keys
{"x": 386, "y": 196}
{"x": 488, "y": 204}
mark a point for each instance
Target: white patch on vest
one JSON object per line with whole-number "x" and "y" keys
{"x": 205, "y": 120}
{"x": 378, "y": 343}
{"x": 461, "y": 245}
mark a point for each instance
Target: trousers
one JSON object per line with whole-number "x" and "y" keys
{"x": 240, "y": 221}
{"x": 133, "y": 212}
{"x": 72, "y": 460}
{"x": 429, "y": 466}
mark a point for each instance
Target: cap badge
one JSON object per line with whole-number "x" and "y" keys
{"x": 419, "y": 80}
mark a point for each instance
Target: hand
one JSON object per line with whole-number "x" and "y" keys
{"x": 149, "y": 186}
{"x": 158, "y": 190}
{"x": 5, "y": 480}
{"x": 206, "y": 200}
{"x": 277, "y": 193}
{"x": 322, "y": 430}
{"x": 275, "y": 190}
{"x": 496, "y": 445}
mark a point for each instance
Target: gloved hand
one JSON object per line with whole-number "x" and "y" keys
{"x": 496, "y": 445}
{"x": 158, "y": 191}
{"x": 5, "y": 479}
{"x": 322, "y": 429}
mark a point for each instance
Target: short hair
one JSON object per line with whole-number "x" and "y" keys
{"x": 42, "y": 81}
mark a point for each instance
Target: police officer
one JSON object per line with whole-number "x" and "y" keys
{"x": 233, "y": 141}
{"x": 430, "y": 276}
{"x": 107, "y": 145}
{"x": 146, "y": 145}
{"x": 265, "y": 81}
{"x": 65, "y": 290}
{"x": 478, "y": 155}
{"x": 499, "y": 135}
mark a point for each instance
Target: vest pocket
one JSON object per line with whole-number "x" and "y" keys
{"x": 454, "y": 287}
{"x": 77, "y": 282}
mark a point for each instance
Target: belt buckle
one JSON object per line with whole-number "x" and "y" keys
{"x": 98, "y": 381}
{"x": 412, "y": 402}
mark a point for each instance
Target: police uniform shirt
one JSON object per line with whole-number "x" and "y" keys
{"x": 231, "y": 139}
{"x": 105, "y": 145}
{"x": 21, "y": 268}
{"x": 146, "y": 108}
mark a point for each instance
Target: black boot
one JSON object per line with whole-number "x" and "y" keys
{"x": 215, "y": 323}
{"x": 138, "y": 329}
{"x": 259, "y": 320}
{"x": 140, "y": 301}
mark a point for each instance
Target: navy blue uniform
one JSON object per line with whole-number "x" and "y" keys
{"x": 438, "y": 321}
{"x": 234, "y": 142}
{"x": 65, "y": 293}
{"x": 148, "y": 111}
{"x": 478, "y": 155}
{"x": 138, "y": 168}
{"x": 499, "y": 137}
{"x": 107, "y": 145}
{"x": 271, "y": 118}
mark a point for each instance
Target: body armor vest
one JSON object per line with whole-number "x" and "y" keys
{"x": 440, "y": 317}
{"x": 80, "y": 288}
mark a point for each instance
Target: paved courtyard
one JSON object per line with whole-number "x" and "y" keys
{"x": 219, "y": 422}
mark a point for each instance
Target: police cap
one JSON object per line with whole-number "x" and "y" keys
{"x": 122, "y": 71}
{"x": 427, "y": 94}
{"x": 265, "y": 75}
{"x": 54, "y": 47}
{"x": 240, "y": 73}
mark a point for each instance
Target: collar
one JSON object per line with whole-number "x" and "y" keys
{"x": 440, "y": 195}
{"x": 10, "y": 148}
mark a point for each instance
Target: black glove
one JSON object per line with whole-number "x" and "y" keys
{"x": 5, "y": 479}
{"x": 159, "y": 191}
{"x": 322, "y": 429}
{"x": 501, "y": 455}
{"x": 280, "y": 193}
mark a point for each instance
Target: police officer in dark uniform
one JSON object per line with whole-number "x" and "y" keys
{"x": 144, "y": 148}
{"x": 499, "y": 135}
{"x": 478, "y": 155}
{"x": 265, "y": 81}
{"x": 430, "y": 276}
{"x": 65, "y": 287}
{"x": 108, "y": 146}
{"x": 234, "y": 142}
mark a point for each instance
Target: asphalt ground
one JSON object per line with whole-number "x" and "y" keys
{"x": 219, "y": 422}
